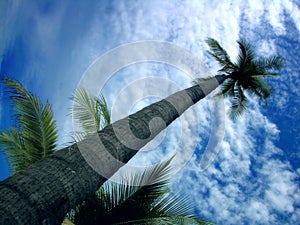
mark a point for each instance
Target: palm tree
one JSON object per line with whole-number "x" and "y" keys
{"x": 72, "y": 179}
{"x": 245, "y": 75}
{"x": 128, "y": 201}
{"x": 132, "y": 202}
{"x": 92, "y": 114}
{"x": 35, "y": 135}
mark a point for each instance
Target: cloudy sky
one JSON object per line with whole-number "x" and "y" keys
{"x": 254, "y": 178}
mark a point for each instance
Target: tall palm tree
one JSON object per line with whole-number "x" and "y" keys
{"x": 92, "y": 114}
{"x": 72, "y": 179}
{"x": 129, "y": 201}
{"x": 35, "y": 135}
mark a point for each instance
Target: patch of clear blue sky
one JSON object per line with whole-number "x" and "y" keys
{"x": 287, "y": 119}
{"x": 13, "y": 64}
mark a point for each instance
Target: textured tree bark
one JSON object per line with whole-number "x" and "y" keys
{"x": 48, "y": 189}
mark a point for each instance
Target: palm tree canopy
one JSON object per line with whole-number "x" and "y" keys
{"x": 35, "y": 136}
{"x": 245, "y": 75}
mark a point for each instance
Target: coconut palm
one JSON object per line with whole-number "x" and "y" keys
{"x": 92, "y": 114}
{"x": 71, "y": 175}
{"x": 35, "y": 135}
{"x": 129, "y": 201}
{"x": 245, "y": 75}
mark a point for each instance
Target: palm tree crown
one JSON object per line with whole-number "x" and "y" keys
{"x": 245, "y": 75}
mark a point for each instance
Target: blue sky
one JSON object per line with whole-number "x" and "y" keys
{"x": 254, "y": 179}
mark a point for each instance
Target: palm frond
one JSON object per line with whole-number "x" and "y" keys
{"x": 245, "y": 74}
{"x": 259, "y": 88}
{"x": 246, "y": 54}
{"x": 143, "y": 186}
{"x": 238, "y": 103}
{"x": 85, "y": 111}
{"x": 172, "y": 204}
{"x": 123, "y": 202}
{"x": 89, "y": 112}
{"x": 79, "y": 136}
{"x": 12, "y": 144}
{"x": 104, "y": 111}
{"x": 36, "y": 124}
{"x": 274, "y": 62}
{"x": 220, "y": 55}
{"x": 168, "y": 220}
{"x": 227, "y": 88}
{"x": 128, "y": 199}
{"x": 138, "y": 196}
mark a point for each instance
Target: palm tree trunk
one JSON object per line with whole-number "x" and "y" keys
{"x": 48, "y": 189}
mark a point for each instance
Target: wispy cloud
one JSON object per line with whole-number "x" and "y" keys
{"x": 247, "y": 182}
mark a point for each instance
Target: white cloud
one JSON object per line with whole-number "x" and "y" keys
{"x": 281, "y": 191}
{"x": 245, "y": 183}
{"x": 275, "y": 16}
{"x": 258, "y": 211}
{"x": 294, "y": 12}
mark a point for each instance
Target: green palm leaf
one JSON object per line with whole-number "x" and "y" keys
{"x": 36, "y": 134}
{"x": 274, "y": 62}
{"x": 220, "y": 55}
{"x": 238, "y": 105}
{"x": 132, "y": 202}
{"x": 259, "y": 88}
{"x": 12, "y": 144}
{"x": 103, "y": 110}
{"x": 85, "y": 111}
{"x": 227, "y": 88}
{"x": 246, "y": 54}
{"x": 168, "y": 220}
{"x": 90, "y": 113}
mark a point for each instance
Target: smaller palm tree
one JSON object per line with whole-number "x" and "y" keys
{"x": 132, "y": 202}
{"x": 245, "y": 75}
{"x": 35, "y": 135}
